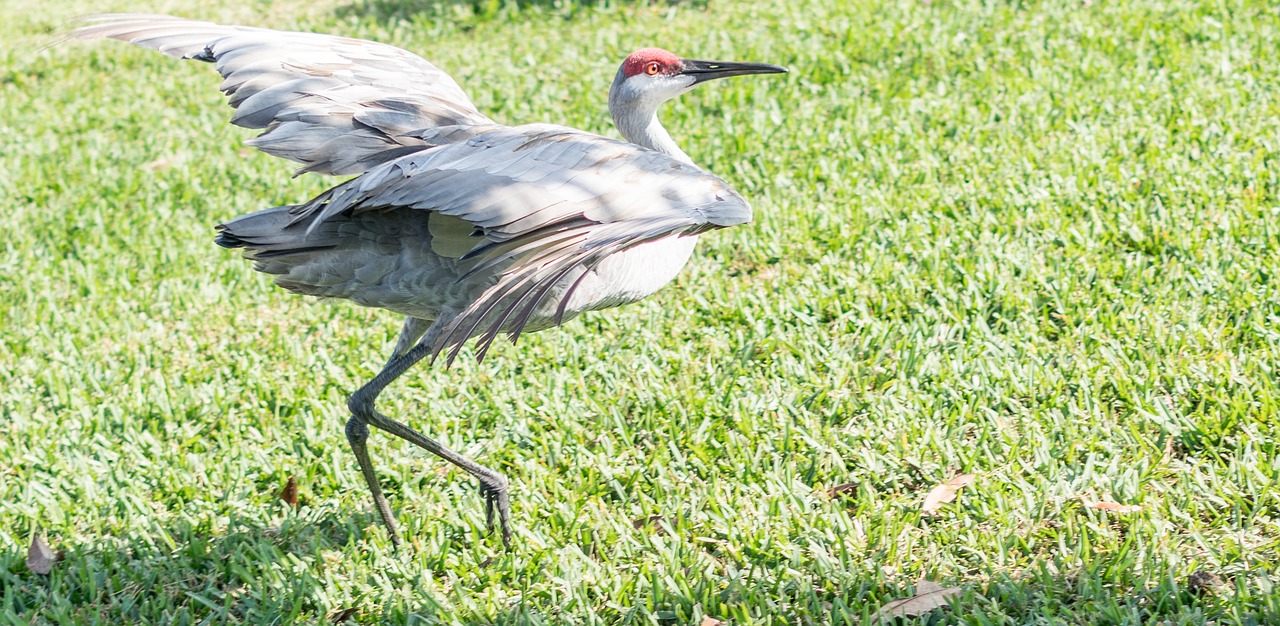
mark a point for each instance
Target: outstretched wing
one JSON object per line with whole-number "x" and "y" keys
{"x": 334, "y": 104}
{"x": 544, "y": 205}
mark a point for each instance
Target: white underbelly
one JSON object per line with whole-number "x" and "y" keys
{"x": 628, "y": 276}
{"x": 632, "y": 274}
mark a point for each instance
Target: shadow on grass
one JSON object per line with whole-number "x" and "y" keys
{"x": 243, "y": 572}
{"x": 238, "y": 572}
{"x": 481, "y": 10}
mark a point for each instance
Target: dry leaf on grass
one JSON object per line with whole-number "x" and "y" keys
{"x": 944, "y": 493}
{"x": 1203, "y": 583}
{"x": 710, "y": 621}
{"x": 161, "y": 163}
{"x": 652, "y": 520}
{"x": 343, "y": 615}
{"x": 929, "y": 596}
{"x": 290, "y": 493}
{"x": 653, "y": 524}
{"x": 841, "y": 489}
{"x": 40, "y": 558}
{"x": 1110, "y": 507}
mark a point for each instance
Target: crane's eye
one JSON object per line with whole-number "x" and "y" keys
{"x": 652, "y": 68}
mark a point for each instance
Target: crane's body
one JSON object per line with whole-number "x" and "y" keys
{"x": 451, "y": 247}
{"x": 468, "y": 228}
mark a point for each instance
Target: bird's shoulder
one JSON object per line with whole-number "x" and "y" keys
{"x": 552, "y": 143}
{"x": 538, "y": 165}
{"x": 508, "y": 183}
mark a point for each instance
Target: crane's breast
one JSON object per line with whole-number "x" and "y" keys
{"x": 632, "y": 274}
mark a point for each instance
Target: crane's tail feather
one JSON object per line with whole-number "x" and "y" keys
{"x": 265, "y": 231}
{"x": 279, "y": 245}
{"x": 382, "y": 259}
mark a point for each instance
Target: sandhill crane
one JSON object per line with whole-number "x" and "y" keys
{"x": 468, "y": 228}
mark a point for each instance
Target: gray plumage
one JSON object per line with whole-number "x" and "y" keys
{"x": 468, "y": 228}
{"x": 337, "y": 105}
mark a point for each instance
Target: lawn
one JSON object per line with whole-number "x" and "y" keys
{"x": 1035, "y": 243}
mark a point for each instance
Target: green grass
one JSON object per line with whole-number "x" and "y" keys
{"x": 1036, "y": 242}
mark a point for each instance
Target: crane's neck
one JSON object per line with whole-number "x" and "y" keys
{"x": 635, "y": 114}
{"x": 642, "y": 127}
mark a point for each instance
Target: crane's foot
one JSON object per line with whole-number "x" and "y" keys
{"x": 494, "y": 488}
{"x": 493, "y": 485}
{"x": 357, "y": 435}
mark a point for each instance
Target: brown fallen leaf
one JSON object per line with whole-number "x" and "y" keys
{"x": 944, "y": 493}
{"x": 1203, "y": 583}
{"x": 343, "y": 615}
{"x": 40, "y": 558}
{"x": 641, "y": 522}
{"x": 1110, "y": 507}
{"x": 841, "y": 489}
{"x": 290, "y": 493}
{"x": 161, "y": 163}
{"x": 929, "y": 596}
{"x": 710, "y": 621}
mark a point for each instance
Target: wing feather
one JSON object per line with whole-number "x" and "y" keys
{"x": 310, "y": 92}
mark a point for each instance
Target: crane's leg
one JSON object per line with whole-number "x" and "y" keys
{"x": 493, "y": 485}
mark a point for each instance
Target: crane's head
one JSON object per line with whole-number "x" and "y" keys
{"x": 652, "y": 76}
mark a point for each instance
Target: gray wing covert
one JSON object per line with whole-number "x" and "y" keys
{"x": 337, "y": 105}
{"x": 539, "y": 206}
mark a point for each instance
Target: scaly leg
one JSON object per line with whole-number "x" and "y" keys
{"x": 493, "y": 485}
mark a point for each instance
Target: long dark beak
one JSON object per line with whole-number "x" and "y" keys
{"x": 703, "y": 71}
